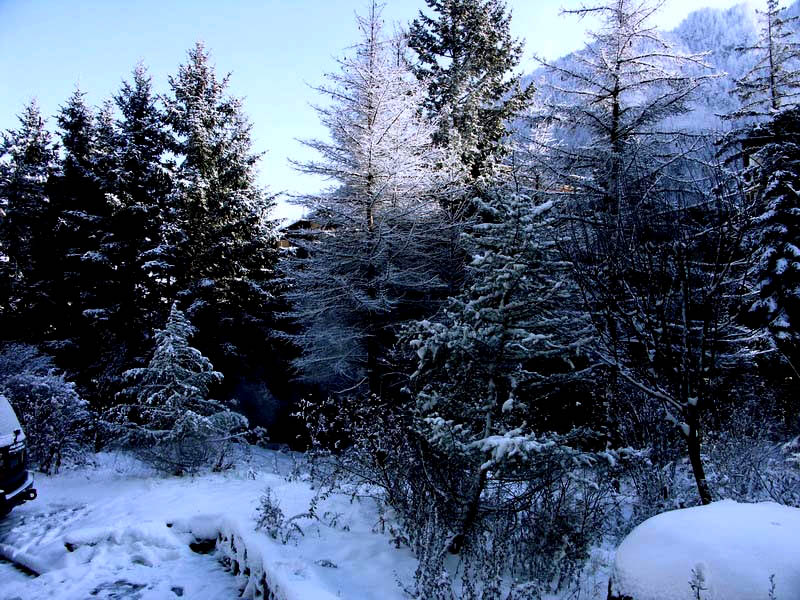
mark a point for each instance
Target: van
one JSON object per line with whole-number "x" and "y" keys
{"x": 16, "y": 482}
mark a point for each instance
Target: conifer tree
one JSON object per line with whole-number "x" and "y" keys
{"x": 141, "y": 184}
{"x": 774, "y": 80}
{"x": 488, "y": 364}
{"x": 218, "y": 247}
{"x": 377, "y": 259}
{"x": 26, "y": 225}
{"x": 466, "y": 58}
{"x": 83, "y": 222}
{"x": 777, "y": 310}
{"x": 86, "y": 342}
{"x": 171, "y": 420}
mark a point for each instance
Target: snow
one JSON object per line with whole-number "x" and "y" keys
{"x": 734, "y": 548}
{"x": 116, "y": 530}
{"x": 8, "y": 424}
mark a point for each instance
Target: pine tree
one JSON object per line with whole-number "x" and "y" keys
{"x": 27, "y": 219}
{"x": 171, "y": 420}
{"x": 774, "y": 81}
{"x": 466, "y": 59}
{"x": 218, "y": 248}
{"x": 777, "y": 309}
{"x": 373, "y": 263}
{"x": 141, "y": 184}
{"x": 489, "y": 365}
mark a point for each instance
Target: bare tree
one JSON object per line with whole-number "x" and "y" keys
{"x": 655, "y": 241}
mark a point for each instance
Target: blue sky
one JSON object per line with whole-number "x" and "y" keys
{"x": 275, "y": 49}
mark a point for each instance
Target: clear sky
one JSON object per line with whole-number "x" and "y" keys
{"x": 275, "y": 50}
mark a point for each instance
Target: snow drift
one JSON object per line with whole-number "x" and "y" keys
{"x": 727, "y": 550}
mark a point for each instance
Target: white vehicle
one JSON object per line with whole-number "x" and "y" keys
{"x": 16, "y": 482}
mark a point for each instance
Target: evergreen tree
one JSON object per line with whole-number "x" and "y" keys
{"x": 27, "y": 219}
{"x": 777, "y": 309}
{"x": 489, "y": 365}
{"x": 466, "y": 59}
{"x": 774, "y": 81}
{"x": 141, "y": 184}
{"x": 171, "y": 420}
{"x": 83, "y": 221}
{"x": 377, "y": 259}
{"x": 105, "y": 167}
{"x": 218, "y": 247}
{"x": 86, "y": 343}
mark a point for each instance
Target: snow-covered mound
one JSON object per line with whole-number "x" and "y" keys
{"x": 727, "y": 550}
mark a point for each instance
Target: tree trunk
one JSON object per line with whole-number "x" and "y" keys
{"x": 693, "y": 443}
{"x": 457, "y": 544}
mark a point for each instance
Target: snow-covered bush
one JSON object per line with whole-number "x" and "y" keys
{"x": 171, "y": 422}
{"x": 23, "y": 358}
{"x": 269, "y": 515}
{"x": 271, "y": 519}
{"x": 657, "y": 478}
{"x": 532, "y": 536}
{"x": 748, "y": 461}
{"x": 51, "y": 411}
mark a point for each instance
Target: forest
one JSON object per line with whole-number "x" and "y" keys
{"x": 526, "y": 313}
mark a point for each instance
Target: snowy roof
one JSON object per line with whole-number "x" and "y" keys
{"x": 8, "y": 423}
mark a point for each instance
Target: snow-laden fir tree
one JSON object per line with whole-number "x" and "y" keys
{"x": 130, "y": 167}
{"x": 777, "y": 309}
{"x": 380, "y": 253}
{"x": 218, "y": 246}
{"x": 773, "y": 82}
{"x": 141, "y": 183}
{"x": 466, "y": 58}
{"x": 170, "y": 419}
{"x": 27, "y": 218}
{"x": 79, "y": 194}
{"x": 494, "y": 369}
{"x": 85, "y": 253}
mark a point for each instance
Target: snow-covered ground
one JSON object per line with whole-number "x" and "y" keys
{"x": 723, "y": 551}
{"x": 115, "y": 531}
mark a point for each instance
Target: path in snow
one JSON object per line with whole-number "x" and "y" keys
{"x": 114, "y": 530}
{"x": 11, "y": 574}
{"x": 80, "y": 562}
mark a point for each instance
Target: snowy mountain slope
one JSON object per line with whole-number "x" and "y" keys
{"x": 718, "y": 32}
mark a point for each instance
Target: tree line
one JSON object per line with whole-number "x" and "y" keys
{"x": 517, "y": 308}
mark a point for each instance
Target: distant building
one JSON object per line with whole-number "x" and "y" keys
{"x": 302, "y": 229}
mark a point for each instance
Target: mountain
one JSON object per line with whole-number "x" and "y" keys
{"x": 717, "y": 32}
